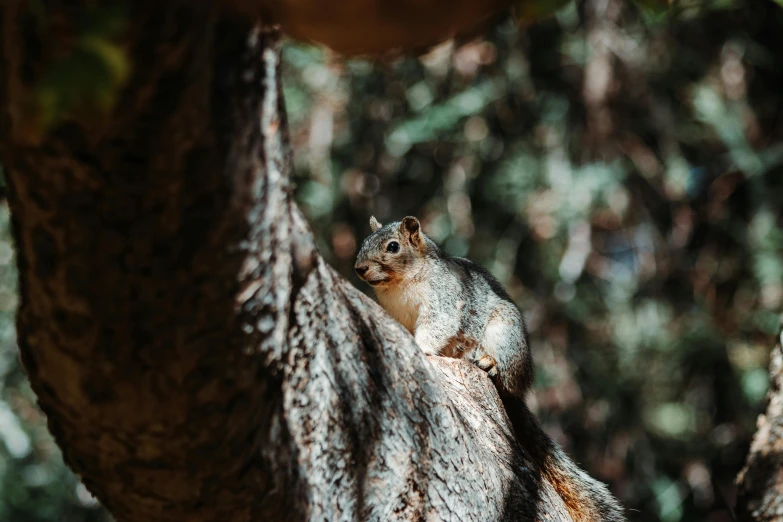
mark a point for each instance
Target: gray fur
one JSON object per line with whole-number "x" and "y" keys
{"x": 453, "y": 306}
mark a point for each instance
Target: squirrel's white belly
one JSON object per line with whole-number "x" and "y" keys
{"x": 402, "y": 303}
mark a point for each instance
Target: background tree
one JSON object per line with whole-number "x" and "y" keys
{"x": 622, "y": 177}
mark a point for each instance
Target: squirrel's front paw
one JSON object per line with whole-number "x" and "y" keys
{"x": 488, "y": 364}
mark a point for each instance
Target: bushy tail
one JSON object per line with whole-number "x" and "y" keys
{"x": 586, "y": 499}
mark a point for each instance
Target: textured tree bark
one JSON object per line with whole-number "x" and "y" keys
{"x": 760, "y": 495}
{"x": 195, "y": 356}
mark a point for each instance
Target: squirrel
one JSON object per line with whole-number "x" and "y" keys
{"x": 455, "y": 308}
{"x": 452, "y": 306}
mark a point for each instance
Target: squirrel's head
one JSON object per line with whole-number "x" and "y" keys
{"x": 392, "y": 253}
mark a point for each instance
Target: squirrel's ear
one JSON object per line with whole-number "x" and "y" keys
{"x": 411, "y": 228}
{"x": 374, "y": 224}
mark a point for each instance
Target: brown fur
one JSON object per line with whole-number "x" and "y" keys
{"x": 575, "y": 498}
{"x": 459, "y": 346}
{"x": 586, "y": 499}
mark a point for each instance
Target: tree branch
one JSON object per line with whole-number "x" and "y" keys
{"x": 195, "y": 356}
{"x": 760, "y": 495}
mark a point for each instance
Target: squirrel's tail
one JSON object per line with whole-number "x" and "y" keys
{"x": 586, "y": 499}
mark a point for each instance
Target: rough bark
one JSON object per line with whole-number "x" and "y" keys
{"x": 760, "y": 494}
{"x": 195, "y": 356}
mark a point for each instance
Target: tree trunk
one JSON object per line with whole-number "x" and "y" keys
{"x": 760, "y": 494}
{"x": 195, "y": 356}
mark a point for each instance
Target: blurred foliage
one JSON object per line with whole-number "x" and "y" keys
{"x": 617, "y": 167}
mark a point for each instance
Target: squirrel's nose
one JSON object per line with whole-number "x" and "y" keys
{"x": 361, "y": 269}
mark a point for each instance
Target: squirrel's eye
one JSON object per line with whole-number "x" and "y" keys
{"x": 393, "y": 247}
